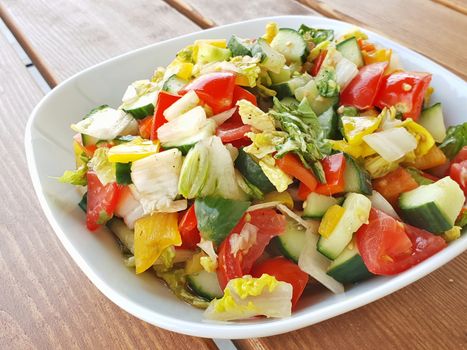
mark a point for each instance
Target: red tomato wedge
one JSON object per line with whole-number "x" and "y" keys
{"x": 240, "y": 93}
{"x": 286, "y": 271}
{"x": 293, "y": 166}
{"x": 215, "y": 89}
{"x": 303, "y": 191}
{"x": 458, "y": 172}
{"x": 318, "y": 62}
{"x": 102, "y": 201}
{"x": 232, "y": 131}
{"x": 269, "y": 224}
{"x": 405, "y": 91}
{"x": 362, "y": 90}
{"x": 164, "y": 100}
{"x": 145, "y": 127}
{"x": 334, "y": 168}
{"x": 388, "y": 246}
{"x": 188, "y": 227}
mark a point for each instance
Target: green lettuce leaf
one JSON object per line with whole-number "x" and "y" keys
{"x": 104, "y": 169}
{"x": 252, "y": 115}
{"x": 75, "y": 177}
{"x": 314, "y": 35}
{"x": 326, "y": 82}
{"x": 456, "y": 138}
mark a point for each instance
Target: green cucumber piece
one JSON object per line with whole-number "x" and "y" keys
{"x": 174, "y": 84}
{"x": 208, "y": 53}
{"x": 349, "y": 266}
{"x": 125, "y": 235}
{"x": 218, "y": 216}
{"x": 433, "y": 207}
{"x": 291, "y": 44}
{"x": 185, "y": 144}
{"x": 432, "y": 119}
{"x": 318, "y": 103}
{"x": 357, "y": 210}
{"x": 316, "y": 205}
{"x": 288, "y": 88}
{"x": 349, "y": 49}
{"x": 270, "y": 58}
{"x": 253, "y": 172}
{"x": 143, "y": 106}
{"x": 329, "y": 121}
{"x": 88, "y": 140}
{"x": 356, "y": 178}
{"x": 282, "y": 76}
{"x": 239, "y": 46}
{"x": 205, "y": 284}
{"x": 291, "y": 242}
{"x": 83, "y": 203}
{"x": 123, "y": 173}
{"x": 418, "y": 176}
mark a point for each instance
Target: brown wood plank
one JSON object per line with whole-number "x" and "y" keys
{"x": 456, "y": 5}
{"x": 64, "y": 38}
{"x": 433, "y": 30}
{"x": 429, "y": 314}
{"x": 45, "y": 300}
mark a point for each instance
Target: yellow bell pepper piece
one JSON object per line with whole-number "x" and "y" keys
{"x": 317, "y": 50}
{"x": 452, "y": 234}
{"x": 282, "y": 197}
{"x": 271, "y": 31}
{"x": 222, "y": 43}
{"x": 330, "y": 220}
{"x": 355, "y": 128}
{"x": 193, "y": 265}
{"x": 356, "y": 151}
{"x": 353, "y": 32}
{"x": 133, "y": 150}
{"x": 424, "y": 139}
{"x": 183, "y": 70}
{"x": 153, "y": 234}
{"x": 78, "y": 151}
{"x": 381, "y": 55}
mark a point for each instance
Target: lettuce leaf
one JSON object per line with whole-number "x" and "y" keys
{"x": 104, "y": 169}
{"x": 252, "y": 115}
{"x": 314, "y": 35}
{"x": 75, "y": 177}
{"x": 456, "y": 138}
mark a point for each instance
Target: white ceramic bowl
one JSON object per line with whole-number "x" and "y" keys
{"x": 49, "y": 152}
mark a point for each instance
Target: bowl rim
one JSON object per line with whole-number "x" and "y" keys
{"x": 230, "y": 330}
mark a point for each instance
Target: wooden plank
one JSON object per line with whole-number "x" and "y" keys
{"x": 429, "y": 28}
{"x": 429, "y": 314}
{"x": 45, "y": 300}
{"x": 228, "y": 11}
{"x": 456, "y": 5}
{"x": 62, "y": 39}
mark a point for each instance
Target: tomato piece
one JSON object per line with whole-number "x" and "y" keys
{"x": 458, "y": 172}
{"x": 232, "y": 131}
{"x": 269, "y": 224}
{"x": 388, "y": 246}
{"x": 303, "y": 191}
{"x": 102, "y": 201}
{"x": 188, "y": 227}
{"x": 392, "y": 185}
{"x": 240, "y": 93}
{"x": 462, "y": 155}
{"x": 286, "y": 271}
{"x": 334, "y": 168}
{"x": 405, "y": 91}
{"x": 293, "y": 166}
{"x": 362, "y": 90}
{"x": 164, "y": 100}
{"x": 145, "y": 127}
{"x": 318, "y": 61}
{"x": 215, "y": 89}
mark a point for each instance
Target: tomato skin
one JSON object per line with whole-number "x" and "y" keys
{"x": 303, "y": 191}
{"x": 363, "y": 89}
{"x": 240, "y": 93}
{"x": 318, "y": 62}
{"x": 188, "y": 227}
{"x": 286, "y": 271}
{"x": 392, "y": 185}
{"x": 383, "y": 244}
{"x": 404, "y": 88}
{"x": 269, "y": 224}
{"x": 334, "y": 168}
{"x": 215, "y": 89}
{"x": 293, "y": 166}
{"x": 164, "y": 100}
{"x": 102, "y": 200}
{"x": 233, "y": 131}
{"x": 458, "y": 172}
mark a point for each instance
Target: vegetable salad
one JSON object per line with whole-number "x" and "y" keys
{"x": 250, "y": 167}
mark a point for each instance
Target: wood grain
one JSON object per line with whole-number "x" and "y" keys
{"x": 456, "y": 5}
{"x": 63, "y": 37}
{"x": 433, "y": 30}
{"x": 45, "y": 300}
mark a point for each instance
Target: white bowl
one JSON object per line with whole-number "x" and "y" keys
{"x": 49, "y": 153}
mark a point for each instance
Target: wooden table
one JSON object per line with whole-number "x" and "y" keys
{"x": 45, "y": 300}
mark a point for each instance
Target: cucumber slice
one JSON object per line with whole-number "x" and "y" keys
{"x": 433, "y": 207}
{"x": 174, "y": 84}
{"x": 357, "y": 210}
{"x": 83, "y": 203}
{"x": 282, "y": 76}
{"x": 122, "y": 232}
{"x": 143, "y": 106}
{"x": 318, "y": 103}
{"x": 208, "y": 53}
{"x": 432, "y": 119}
{"x": 253, "y": 172}
{"x": 292, "y": 240}
{"x": 329, "y": 122}
{"x": 349, "y": 49}
{"x": 349, "y": 266}
{"x": 205, "y": 284}
{"x": 316, "y": 205}
{"x": 291, "y": 44}
{"x": 185, "y": 144}
{"x": 288, "y": 88}
{"x": 89, "y": 140}
{"x": 123, "y": 173}
{"x": 270, "y": 58}
{"x": 356, "y": 178}
{"x": 239, "y": 46}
